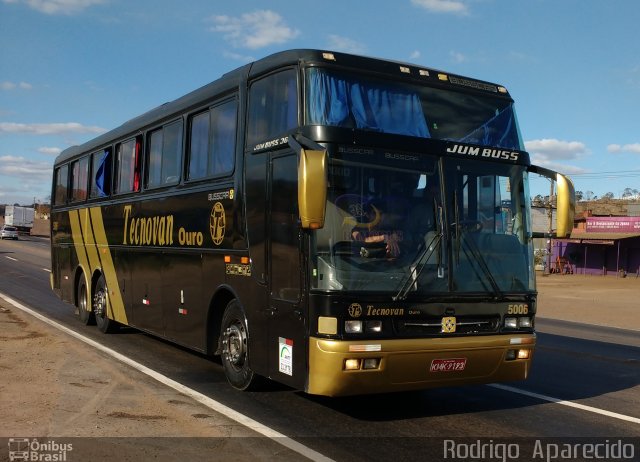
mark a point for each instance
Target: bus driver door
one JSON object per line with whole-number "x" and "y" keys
{"x": 286, "y": 320}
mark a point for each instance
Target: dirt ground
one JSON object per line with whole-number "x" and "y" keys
{"x": 602, "y": 300}
{"x": 55, "y": 386}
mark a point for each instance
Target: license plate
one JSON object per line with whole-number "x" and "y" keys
{"x": 448, "y": 365}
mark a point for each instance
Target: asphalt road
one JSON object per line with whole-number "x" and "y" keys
{"x": 594, "y": 367}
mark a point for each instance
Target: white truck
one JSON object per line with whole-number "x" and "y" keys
{"x": 20, "y": 217}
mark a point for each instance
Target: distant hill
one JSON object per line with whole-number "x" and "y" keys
{"x": 609, "y": 207}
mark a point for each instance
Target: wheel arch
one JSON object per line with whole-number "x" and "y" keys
{"x": 79, "y": 273}
{"x": 94, "y": 280}
{"x": 221, "y": 298}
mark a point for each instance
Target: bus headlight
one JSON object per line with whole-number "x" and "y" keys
{"x": 371, "y": 363}
{"x": 524, "y": 322}
{"x": 523, "y": 354}
{"x": 518, "y": 354}
{"x": 351, "y": 364}
{"x": 374, "y": 326}
{"x": 518, "y": 323}
{"x": 511, "y": 323}
{"x": 353, "y": 327}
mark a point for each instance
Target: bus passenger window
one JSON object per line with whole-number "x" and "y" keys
{"x": 154, "y": 159}
{"x": 62, "y": 176}
{"x": 163, "y": 155}
{"x": 128, "y": 166}
{"x": 171, "y": 152}
{"x": 101, "y": 171}
{"x": 223, "y": 120}
{"x": 198, "y": 146}
{"x": 273, "y": 107}
{"x": 212, "y": 141}
{"x": 79, "y": 176}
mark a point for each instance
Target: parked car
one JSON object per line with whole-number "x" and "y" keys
{"x": 8, "y": 232}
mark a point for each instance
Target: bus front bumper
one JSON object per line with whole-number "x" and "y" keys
{"x": 414, "y": 364}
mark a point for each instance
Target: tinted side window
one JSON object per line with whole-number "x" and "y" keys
{"x": 154, "y": 159}
{"x": 212, "y": 141}
{"x": 62, "y": 176}
{"x": 223, "y": 122}
{"x": 199, "y": 145}
{"x": 101, "y": 174}
{"x": 128, "y": 166}
{"x": 79, "y": 177}
{"x": 273, "y": 107}
{"x": 164, "y": 155}
{"x": 171, "y": 153}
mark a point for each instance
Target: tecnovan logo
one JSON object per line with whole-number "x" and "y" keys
{"x": 491, "y": 153}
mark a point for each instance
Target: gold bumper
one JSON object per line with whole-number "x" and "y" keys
{"x": 406, "y": 364}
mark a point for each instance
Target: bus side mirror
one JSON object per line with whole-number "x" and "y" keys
{"x": 566, "y": 206}
{"x": 566, "y": 200}
{"x": 312, "y": 188}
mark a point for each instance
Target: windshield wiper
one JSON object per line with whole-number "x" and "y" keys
{"x": 425, "y": 252}
{"x": 477, "y": 256}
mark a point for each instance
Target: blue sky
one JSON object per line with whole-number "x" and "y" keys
{"x": 71, "y": 69}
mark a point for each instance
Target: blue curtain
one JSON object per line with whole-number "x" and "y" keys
{"x": 337, "y": 101}
{"x": 327, "y": 102}
{"x": 103, "y": 174}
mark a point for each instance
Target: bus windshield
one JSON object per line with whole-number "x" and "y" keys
{"x": 361, "y": 102}
{"x": 442, "y": 226}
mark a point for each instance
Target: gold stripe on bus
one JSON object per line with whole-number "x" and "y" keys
{"x": 78, "y": 243}
{"x": 89, "y": 241}
{"x": 108, "y": 268}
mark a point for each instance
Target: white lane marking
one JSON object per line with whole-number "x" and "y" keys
{"x": 203, "y": 399}
{"x": 46, "y": 269}
{"x": 11, "y": 258}
{"x": 563, "y": 402}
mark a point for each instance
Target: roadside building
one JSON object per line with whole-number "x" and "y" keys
{"x": 600, "y": 246}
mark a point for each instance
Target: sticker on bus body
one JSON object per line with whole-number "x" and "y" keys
{"x": 285, "y": 354}
{"x": 448, "y": 365}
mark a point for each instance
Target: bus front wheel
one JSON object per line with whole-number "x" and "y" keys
{"x": 234, "y": 336}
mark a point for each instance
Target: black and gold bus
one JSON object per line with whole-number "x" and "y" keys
{"x": 339, "y": 224}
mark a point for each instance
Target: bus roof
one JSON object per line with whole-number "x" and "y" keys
{"x": 233, "y": 79}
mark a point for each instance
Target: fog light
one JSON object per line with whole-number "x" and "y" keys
{"x": 351, "y": 364}
{"x": 524, "y": 322}
{"x": 374, "y": 326}
{"x": 511, "y": 355}
{"x": 523, "y": 354}
{"x": 371, "y": 363}
{"x": 353, "y": 327}
{"x": 511, "y": 323}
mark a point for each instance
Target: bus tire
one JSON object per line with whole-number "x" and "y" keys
{"x": 234, "y": 335}
{"x": 85, "y": 313}
{"x": 100, "y": 307}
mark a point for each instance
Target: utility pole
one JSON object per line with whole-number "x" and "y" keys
{"x": 550, "y": 230}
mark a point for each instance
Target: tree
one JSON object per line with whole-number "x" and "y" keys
{"x": 608, "y": 196}
{"x": 538, "y": 200}
{"x": 579, "y": 195}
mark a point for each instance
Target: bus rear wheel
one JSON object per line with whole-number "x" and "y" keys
{"x": 234, "y": 336}
{"x": 85, "y": 314}
{"x": 100, "y": 307}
